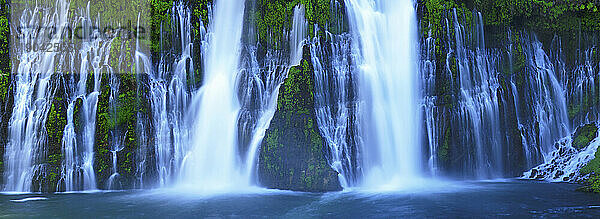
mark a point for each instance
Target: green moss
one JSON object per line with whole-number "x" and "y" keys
{"x": 434, "y": 13}
{"x": 54, "y": 162}
{"x": 294, "y": 96}
{"x": 56, "y": 121}
{"x": 519, "y": 59}
{"x": 269, "y": 153}
{"x": 127, "y": 110}
{"x": 517, "y": 64}
{"x": 558, "y": 16}
{"x": 592, "y": 184}
{"x": 126, "y": 166}
{"x": 102, "y": 154}
{"x": 582, "y": 106}
{"x": 124, "y": 118}
{"x": 443, "y": 151}
{"x": 160, "y": 18}
{"x": 77, "y": 115}
{"x": 273, "y": 17}
{"x": 200, "y": 11}
{"x": 4, "y": 56}
{"x": 584, "y": 135}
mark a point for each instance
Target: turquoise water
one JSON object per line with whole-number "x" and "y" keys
{"x": 512, "y": 198}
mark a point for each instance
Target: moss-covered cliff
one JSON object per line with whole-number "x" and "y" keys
{"x": 292, "y": 154}
{"x": 116, "y": 124}
{"x": 47, "y": 181}
{"x": 272, "y": 18}
{"x": 5, "y": 81}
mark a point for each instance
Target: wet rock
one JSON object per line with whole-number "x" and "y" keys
{"x": 558, "y": 174}
{"x": 292, "y": 154}
{"x": 533, "y": 174}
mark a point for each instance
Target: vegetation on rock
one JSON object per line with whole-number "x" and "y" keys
{"x": 584, "y": 135}
{"x": 56, "y": 120}
{"x": 292, "y": 155}
{"x": 5, "y": 81}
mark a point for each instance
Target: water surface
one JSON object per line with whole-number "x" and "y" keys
{"x": 514, "y": 198}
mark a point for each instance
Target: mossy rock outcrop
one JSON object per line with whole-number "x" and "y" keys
{"x": 292, "y": 154}
{"x": 584, "y": 135}
{"x": 592, "y": 168}
{"x": 5, "y": 82}
{"x": 56, "y": 120}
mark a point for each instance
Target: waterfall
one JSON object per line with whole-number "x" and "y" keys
{"x": 183, "y": 122}
{"x": 543, "y": 108}
{"x": 33, "y": 96}
{"x": 560, "y": 161}
{"x": 298, "y": 35}
{"x": 477, "y": 133}
{"x": 478, "y": 102}
{"x": 259, "y": 88}
{"x": 335, "y": 105}
{"x": 212, "y": 162}
{"x": 116, "y": 135}
{"x": 144, "y": 65}
{"x": 71, "y": 76}
{"x": 385, "y": 32}
{"x": 564, "y": 163}
{"x": 169, "y": 99}
{"x": 583, "y": 90}
{"x": 482, "y": 117}
{"x": 78, "y": 145}
{"x": 226, "y": 133}
{"x": 433, "y": 123}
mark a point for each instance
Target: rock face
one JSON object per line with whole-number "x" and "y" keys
{"x": 292, "y": 154}
{"x": 584, "y": 135}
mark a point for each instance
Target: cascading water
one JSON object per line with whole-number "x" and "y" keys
{"x": 433, "y": 123}
{"x": 78, "y": 172}
{"x": 385, "y": 32}
{"x": 366, "y": 101}
{"x": 478, "y": 104}
{"x": 235, "y": 154}
{"x": 212, "y": 163}
{"x": 169, "y": 100}
{"x": 479, "y": 130}
{"x": 335, "y": 105}
{"x": 176, "y": 145}
{"x": 259, "y": 88}
{"x": 118, "y": 138}
{"x": 543, "y": 110}
{"x": 562, "y": 161}
{"x": 583, "y": 89}
{"x": 297, "y": 35}
{"x": 33, "y": 95}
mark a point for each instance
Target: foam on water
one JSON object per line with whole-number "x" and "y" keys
{"x": 29, "y": 199}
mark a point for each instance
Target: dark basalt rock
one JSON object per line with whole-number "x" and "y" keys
{"x": 292, "y": 154}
